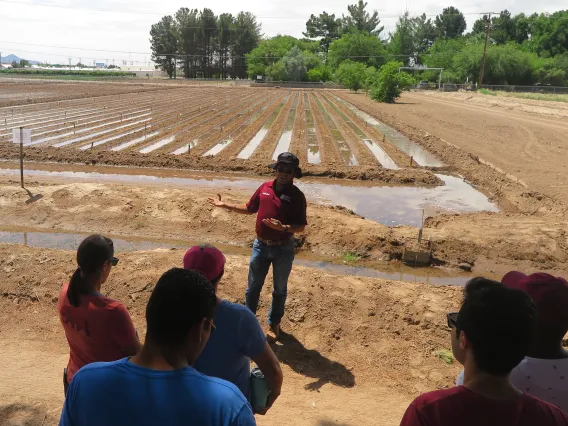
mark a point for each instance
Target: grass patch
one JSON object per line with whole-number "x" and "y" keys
{"x": 351, "y": 257}
{"x": 534, "y": 96}
{"x": 445, "y": 355}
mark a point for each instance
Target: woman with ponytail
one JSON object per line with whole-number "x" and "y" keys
{"x": 97, "y": 328}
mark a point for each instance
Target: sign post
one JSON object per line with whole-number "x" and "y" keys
{"x": 22, "y": 136}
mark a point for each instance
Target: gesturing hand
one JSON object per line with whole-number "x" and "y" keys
{"x": 274, "y": 224}
{"x": 216, "y": 203}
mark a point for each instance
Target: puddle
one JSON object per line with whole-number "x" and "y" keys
{"x": 134, "y": 141}
{"x": 218, "y": 148}
{"x": 185, "y": 148}
{"x": 344, "y": 150}
{"x": 70, "y": 241}
{"x": 157, "y": 145}
{"x": 113, "y": 138}
{"x": 381, "y": 156}
{"x": 389, "y": 205}
{"x": 311, "y": 135}
{"x": 286, "y": 137}
{"x": 253, "y": 144}
{"x": 412, "y": 149}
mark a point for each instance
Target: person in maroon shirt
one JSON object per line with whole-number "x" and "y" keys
{"x": 97, "y": 328}
{"x": 491, "y": 334}
{"x": 281, "y": 212}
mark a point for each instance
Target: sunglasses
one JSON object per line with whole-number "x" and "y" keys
{"x": 213, "y": 327}
{"x": 285, "y": 170}
{"x": 113, "y": 261}
{"x": 452, "y": 319}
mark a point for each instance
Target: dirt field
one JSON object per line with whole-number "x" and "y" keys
{"x": 357, "y": 349}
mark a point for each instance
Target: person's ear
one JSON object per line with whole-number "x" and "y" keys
{"x": 203, "y": 334}
{"x": 463, "y": 341}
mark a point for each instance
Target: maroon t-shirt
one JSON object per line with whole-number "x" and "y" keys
{"x": 460, "y": 406}
{"x": 288, "y": 206}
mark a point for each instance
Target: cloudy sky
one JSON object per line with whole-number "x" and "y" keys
{"x": 55, "y": 30}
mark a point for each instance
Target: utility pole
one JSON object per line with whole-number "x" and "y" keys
{"x": 69, "y": 63}
{"x": 481, "y": 69}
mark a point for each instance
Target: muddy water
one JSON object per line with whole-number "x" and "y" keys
{"x": 385, "y": 204}
{"x": 412, "y": 149}
{"x": 311, "y": 135}
{"x": 70, "y": 241}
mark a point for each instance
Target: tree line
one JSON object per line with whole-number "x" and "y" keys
{"x": 204, "y": 45}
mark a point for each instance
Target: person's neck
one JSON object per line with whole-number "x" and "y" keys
{"x": 160, "y": 358}
{"x": 490, "y": 386}
{"x": 278, "y": 186}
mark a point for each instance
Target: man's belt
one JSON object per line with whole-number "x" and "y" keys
{"x": 273, "y": 242}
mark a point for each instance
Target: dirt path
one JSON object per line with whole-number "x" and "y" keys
{"x": 529, "y": 147}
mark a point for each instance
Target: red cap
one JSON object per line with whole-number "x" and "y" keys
{"x": 207, "y": 260}
{"x": 550, "y": 295}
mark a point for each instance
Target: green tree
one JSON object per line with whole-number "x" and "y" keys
{"x": 360, "y": 20}
{"x": 324, "y": 27}
{"x": 403, "y": 42}
{"x": 425, "y": 35}
{"x": 450, "y": 23}
{"x": 549, "y": 33}
{"x": 351, "y": 75}
{"x": 480, "y": 25}
{"x": 390, "y": 83}
{"x": 503, "y": 28}
{"x": 246, "y": 37}
{"x": 186, "y": 33}
{"x": 164, "y": 44}
{"x": 225, "y": 30}
{"x": 294, "y": 63}
{"x": 358, "y": 47}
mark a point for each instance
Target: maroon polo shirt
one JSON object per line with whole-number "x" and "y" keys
{"x": 288, "y": 206}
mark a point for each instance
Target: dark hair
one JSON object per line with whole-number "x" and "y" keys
{"x": 181, "y": 299}
{"x": 92, "y": 253}
{"x": 499, "y": 322}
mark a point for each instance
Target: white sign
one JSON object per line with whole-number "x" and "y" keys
{"x": 27, "y": 133}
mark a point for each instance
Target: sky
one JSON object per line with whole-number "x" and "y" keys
{"x": 104, "y": 30}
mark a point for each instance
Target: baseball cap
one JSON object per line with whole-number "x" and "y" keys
{"x": 288, "y": 158}
{"x": 550, "y": 295}
{"x": 205, "y": 259}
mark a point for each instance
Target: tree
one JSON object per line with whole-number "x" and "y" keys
{"x": 351, "y": 75}
{"x": 425, "y": 35}
{"x": 450, "y": 23}
{"x": 503, "y": 28}
{"x": 325, "y": 27}
{"x": 549, "y": 34}
{"x": 402, "y": 42}
{"x": 164, "y": 44}
{"x": 360, "y": 20}
{"x": 358, "y": 47}
{"x": 205, "y": 39}
{"x": 246, "y": 36}
{"x": 480, "y": 25}
{"x": 224, "y": 38}
{"x": 186, "y": 31}
{"x": 390, "y": 83}
{"x": 294, "y": 63}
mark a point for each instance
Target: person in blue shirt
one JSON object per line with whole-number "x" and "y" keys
{"x": 238, "y": 337}
{"x": 159, "y": 386}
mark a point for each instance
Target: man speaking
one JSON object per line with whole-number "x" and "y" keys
{"x": 281, "y": 212}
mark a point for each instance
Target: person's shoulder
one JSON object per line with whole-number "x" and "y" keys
{"x": 223, "y": 390}
{"x": 438, "y": 397}
{"x": 98, "y": 369}
{"x": 237, "y": 311}
{"x": 546, "y": 410}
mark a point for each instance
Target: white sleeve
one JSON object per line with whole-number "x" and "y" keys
{"x": 459, "y": 380}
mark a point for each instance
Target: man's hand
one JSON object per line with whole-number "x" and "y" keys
{"x": 275, "y": 224}
{"x": 216, "y": 203}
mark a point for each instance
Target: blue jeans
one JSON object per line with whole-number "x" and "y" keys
{"x": 281, "y": 258}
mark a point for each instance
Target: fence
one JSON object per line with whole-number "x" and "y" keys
{"x": 449, "y": 87}
{"x": 298, "y": 85}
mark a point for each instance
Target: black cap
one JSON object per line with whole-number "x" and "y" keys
{"x": 288, "y": 158}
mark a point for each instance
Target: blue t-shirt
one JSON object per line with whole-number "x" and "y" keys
{"x": 237, "y": 338}
{"x": 121, "y": 393}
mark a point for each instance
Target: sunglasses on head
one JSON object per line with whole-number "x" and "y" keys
{"x": 452, "y": 319}
{"x": 113, "y": 261}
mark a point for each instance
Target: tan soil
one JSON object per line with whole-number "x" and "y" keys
{"x": 299, "y": 134}
{"x": 527, "y": 148}
{"x": 355, "y": 347}
{"x": 329, "y": 152}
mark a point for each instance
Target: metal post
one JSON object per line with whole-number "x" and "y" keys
{"x": 480, "y": 85}
{"x": 22, "y": 156}
{"x": 440, "y": 79}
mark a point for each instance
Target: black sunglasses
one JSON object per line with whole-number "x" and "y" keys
{"x": 113, "y": 261}
{"x": 452, "y": 319}
{"x": 213, "y": 327}
{"x": 285, "y": 170}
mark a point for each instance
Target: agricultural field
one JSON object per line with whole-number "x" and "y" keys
{"x": 228, "y": 126}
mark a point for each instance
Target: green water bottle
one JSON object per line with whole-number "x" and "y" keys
{"x": 259, "y": 390}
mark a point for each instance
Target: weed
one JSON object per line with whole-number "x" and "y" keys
{"x": 445, "y": 355}
{"x": 487, "y": 92}
{"x": 351, "y": 257}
